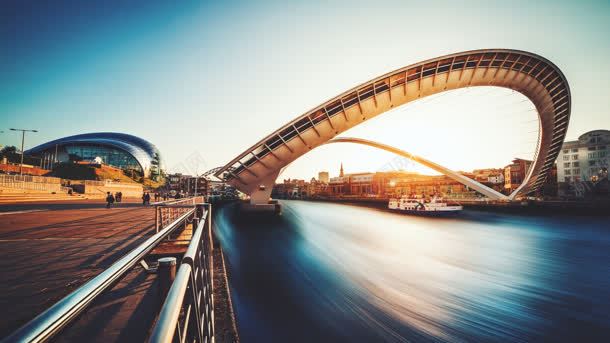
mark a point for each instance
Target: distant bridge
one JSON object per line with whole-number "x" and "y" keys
{"x": 477, "y": 186}
{"x": 255, "y": 170}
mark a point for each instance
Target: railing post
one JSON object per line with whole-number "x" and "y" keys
{"x": 209, "y": 219}
{"x": 157, "y": 218}
{"x": 161, "y": 216}
{"x": 167, "y": 274}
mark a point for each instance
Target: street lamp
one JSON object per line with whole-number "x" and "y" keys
{"x": 23, "y": 131}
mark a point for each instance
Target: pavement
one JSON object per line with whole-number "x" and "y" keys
{"x": 48, "y": 249}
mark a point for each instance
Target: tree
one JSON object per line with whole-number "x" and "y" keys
{"x": 11, "y": 154}
{"x": 14, "y": 156}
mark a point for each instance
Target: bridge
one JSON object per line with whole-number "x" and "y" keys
{"x": 477, "y": 186}
{"x": 255, "y": 170}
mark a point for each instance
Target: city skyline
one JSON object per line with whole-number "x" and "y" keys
{"x": 183, "y": 80}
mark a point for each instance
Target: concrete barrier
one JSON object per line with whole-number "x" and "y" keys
{"x": 18, "y": 183}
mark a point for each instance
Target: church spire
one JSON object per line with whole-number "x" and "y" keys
{"x": 341, "y": 170}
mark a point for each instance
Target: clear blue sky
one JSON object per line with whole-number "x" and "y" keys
{"x": 214, "y": 78}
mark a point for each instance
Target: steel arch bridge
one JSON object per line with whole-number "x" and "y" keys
{"x": 212, "y": 171}
{"x": 255, "y": 170}
{"x": 465, "y": 180}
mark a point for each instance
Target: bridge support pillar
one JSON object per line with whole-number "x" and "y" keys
{"x": 262, "y": 193}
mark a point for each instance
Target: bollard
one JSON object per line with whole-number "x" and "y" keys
{"x": 156, "y": 218}
{"x": 167, "y": 273}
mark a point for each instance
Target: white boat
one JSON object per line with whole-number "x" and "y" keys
{"x": 412, "y": 205}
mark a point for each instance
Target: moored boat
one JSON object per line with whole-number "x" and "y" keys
{"x": 413, "y": 205}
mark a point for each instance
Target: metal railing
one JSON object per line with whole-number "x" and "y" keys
{"x": 58, "y": 316}
{"x": 187, "y": 314}
{"x": 167, "y": 211}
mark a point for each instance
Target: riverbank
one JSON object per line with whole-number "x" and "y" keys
{"x": 578, "y": 208}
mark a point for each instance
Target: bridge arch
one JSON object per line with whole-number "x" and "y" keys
{"x": 477, "y": 186}
{"x": 254, "y": 171}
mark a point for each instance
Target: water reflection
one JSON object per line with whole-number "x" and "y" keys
{"x": 329, "y": 272}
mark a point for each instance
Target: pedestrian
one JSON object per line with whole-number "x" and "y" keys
{"x": 109, "y": 199}
{"x": 144, "y": 198}
{"x": 120, "y": 197}
{"x": 147, "y": 198}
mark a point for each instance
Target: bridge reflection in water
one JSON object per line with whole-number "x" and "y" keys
{"x": 329, "y": 272}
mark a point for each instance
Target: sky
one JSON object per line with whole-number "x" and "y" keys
{"x": 208, "y": 80}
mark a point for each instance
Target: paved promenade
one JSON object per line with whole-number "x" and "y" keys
{"x": 49, "y": 249}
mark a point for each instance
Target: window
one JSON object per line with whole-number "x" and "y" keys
{"x": 601, "y": 147}
{"x": 592, "y": 155}
{"x": 111, "y": 156}
{"x": 568, "y": 172}
{"x": 576, "y": 171}
{"x": 565, "y": 151}
{"x": 592, "y": 162}
{"x": 566, "y": 157}
{"x": 601, "y": 154}
{"x": 574, "y": 157}
{"x": 567, "y": 179}
{"x": 566, "y": 165}
{"x": 591, "y": 148}
{"x": 574, "y": 150}
{"x": 576, "y": 164}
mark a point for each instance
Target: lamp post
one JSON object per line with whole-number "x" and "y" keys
{"x": 23, "y": 131}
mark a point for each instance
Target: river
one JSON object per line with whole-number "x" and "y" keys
{"x": 326, "y": 272}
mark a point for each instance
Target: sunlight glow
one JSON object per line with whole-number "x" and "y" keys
{"x": 465, "y": 129}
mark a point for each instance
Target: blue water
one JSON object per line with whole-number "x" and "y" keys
{"x": 335, "y": 273}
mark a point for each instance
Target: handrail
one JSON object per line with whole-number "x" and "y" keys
{"x": 170, "y": 313}
{"x": 55, "y": 318}
{"x": 191, "y": 251}
{"x": 170, "y": 206}
{"x": 190, "y": 298}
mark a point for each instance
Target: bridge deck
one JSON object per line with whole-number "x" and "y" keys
{"x": 44, "y": 255}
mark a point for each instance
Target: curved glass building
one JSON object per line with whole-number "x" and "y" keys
{"x": 116, "y": 149}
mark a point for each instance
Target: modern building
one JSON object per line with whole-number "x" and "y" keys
{"x": 187, "y": 184}
{"x": 361, "y": 183}
{"x": 585, "y": 159}
{"x": 515, "y": 173}
{"x": 339, "y": 185}
{"x": 119, "y": 150}
{"x": 492, "y": 176}
{"x": 292, "y": 189}
{"x": 323, "y": 177}
{"x": 396, "y": 183}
